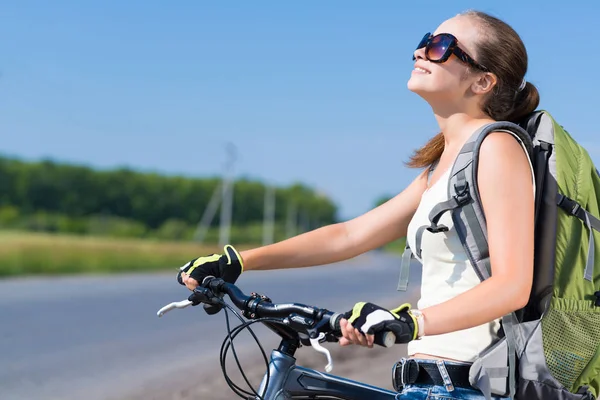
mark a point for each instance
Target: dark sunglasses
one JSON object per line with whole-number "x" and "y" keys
{"x": 440, "y": 47}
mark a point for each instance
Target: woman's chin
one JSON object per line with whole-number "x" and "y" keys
{"x": 416, "y": 87}
{"x": 415, "y": 83}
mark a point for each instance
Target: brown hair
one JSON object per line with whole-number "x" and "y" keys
{"x": 502, "y": 51}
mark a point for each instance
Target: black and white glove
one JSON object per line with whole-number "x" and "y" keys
{"x": 227, "y": 266}
{"x": 370, "y": 318}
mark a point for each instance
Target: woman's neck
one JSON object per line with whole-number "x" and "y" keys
{"x": 458, "y": 127}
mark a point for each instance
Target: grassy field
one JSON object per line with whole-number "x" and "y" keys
{"x": 35, "y": 253}
{"x": 28, "y": 253}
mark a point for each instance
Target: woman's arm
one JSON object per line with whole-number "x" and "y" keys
{"x": 344, "y": 240}
{"x": 506, "y": 188}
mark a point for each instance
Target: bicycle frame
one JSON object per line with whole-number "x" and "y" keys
{"x": 287, "y": 381}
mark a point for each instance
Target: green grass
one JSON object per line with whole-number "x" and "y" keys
{"x": 28, "y": 253}
{"x": 36, "y": 253}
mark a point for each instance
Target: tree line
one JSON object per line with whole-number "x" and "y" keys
{"x": 47, "y": 195}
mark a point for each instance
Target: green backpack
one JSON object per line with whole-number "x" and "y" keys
{"x": 551, "y": 348}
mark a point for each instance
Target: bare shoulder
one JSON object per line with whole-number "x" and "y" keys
{"x": 502, "y": 150}
{"x": 504, "y": 173}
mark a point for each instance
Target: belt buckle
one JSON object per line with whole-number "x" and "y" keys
{"x": 402, "y": 373}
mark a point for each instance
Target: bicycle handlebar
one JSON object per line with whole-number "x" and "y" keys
{"x": 297, "y": 318}
{"x": 262, "y": 306}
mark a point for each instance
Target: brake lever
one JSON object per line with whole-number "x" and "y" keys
{"x": 172, "y": 306}
{"x": 315, "y": 344}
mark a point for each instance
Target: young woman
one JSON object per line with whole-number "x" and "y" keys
{"x": 471, "y": 71}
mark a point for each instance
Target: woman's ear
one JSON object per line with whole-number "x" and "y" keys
{"x": 484, "y": 84}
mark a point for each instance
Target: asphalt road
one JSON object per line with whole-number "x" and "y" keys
{"x": 98, "y": 338}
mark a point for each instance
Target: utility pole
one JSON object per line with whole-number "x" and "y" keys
{"x": 223, "y": 196}
{"x": 208, "y": 215}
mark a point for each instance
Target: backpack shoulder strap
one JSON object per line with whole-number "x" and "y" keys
{"x": 464, "y": 199}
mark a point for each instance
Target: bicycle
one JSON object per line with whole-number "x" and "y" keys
{"x": 297, "y": 325}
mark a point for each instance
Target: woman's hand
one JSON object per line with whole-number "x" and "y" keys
{"x": 360, "y": 324}
{"x": 189, "y": 282}
{"x": 227, "y": 266}
{"x": 351, "y": 335}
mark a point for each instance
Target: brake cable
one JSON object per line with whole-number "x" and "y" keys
{"x": 228, "y": 341}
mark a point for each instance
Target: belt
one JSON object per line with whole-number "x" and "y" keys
{"x": 410, "y": 371}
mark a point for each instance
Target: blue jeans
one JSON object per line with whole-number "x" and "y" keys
{"x": 431, "y": 392}
{"x": 435, "y": 392}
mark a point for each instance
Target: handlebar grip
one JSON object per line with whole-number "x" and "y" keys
{"x": 334, "y": 322}
{"x": 385, "y": 338}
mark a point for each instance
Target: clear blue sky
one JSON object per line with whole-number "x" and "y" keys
{"x": 311, "y": 91}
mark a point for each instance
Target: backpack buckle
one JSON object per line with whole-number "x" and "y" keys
{"x": 597, "y": 294}
{"x": 462, "y": 196}
{"x": 569, "y": 205}
{"x": 435, "y": 228}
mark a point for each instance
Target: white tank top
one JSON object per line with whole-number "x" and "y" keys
{"x": 446, "y": 273}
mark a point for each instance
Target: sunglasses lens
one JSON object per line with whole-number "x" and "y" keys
{"x": 423, "y": 41}
{"x": 438, "y": 47}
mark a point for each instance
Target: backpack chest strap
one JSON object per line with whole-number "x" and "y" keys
{"x": 460, "y": 198}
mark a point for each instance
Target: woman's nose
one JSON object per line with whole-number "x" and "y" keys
{"x": 419, "y": 53}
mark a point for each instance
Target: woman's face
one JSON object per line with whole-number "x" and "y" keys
{"x": 451, "y": 80}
